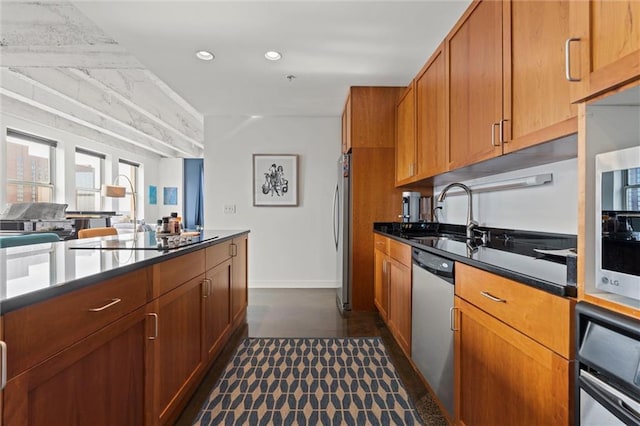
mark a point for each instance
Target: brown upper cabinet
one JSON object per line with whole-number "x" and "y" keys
{"x": 367, "y": 112}
{"x": 421, "y": 147}
{"x": 603, "y": 49}
{"x": 506, "y": 86}
{"x": 406, "y": 137}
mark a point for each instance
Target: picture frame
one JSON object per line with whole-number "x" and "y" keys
{"x": 275, "y": 180}
{"x": 170, "y": 196}
{"x": 153, "y": 194}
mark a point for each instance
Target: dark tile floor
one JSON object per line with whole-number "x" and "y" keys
{"x": 312, "y": 313}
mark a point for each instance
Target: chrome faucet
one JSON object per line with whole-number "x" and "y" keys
{"x": 471, "y": 224}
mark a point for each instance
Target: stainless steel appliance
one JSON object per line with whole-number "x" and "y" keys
{"x": 432, "y": 324}
{"x": 618, "y": 222}
{"x": 410, "y": 207}
{"x": 607, "y": 388}
{"x": 342, "y": 232}
{"x": 37, "y": 217}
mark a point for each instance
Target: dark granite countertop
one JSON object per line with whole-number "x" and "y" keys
{"x": 509, "y": 253}
{"x": 37, "y": 272}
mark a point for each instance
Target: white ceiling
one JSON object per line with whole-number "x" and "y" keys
{"x": 327, "y": 45}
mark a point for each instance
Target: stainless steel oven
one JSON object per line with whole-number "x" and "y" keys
{"x": 607, "y": 387}
{"x": 618, "y": 222}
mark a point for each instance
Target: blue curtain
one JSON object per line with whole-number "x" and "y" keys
{"x": 193, "y": 215}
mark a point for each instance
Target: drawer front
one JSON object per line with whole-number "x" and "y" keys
{"x": 542, "y": 316}
{"x": 381, "y": 243}
{"x": 39, "y": 331}
{"x": 171, "y": 273}
{"x": 217, "y": 254}
{"x": 400, "y": 252}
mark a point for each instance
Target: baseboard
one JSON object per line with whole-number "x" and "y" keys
{"x": 293, "y": 284}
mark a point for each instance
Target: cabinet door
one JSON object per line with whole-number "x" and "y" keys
{"x": 178, "y": 359}
{"x": 406, "y": 137}
{"x": 381, "y": 283}
{"x": 346, "y": 126}
{"x": 606, "y": 50}
{"x": 216, "y": 299}
{"x": 475, "y": 84}
{"x": 431, "y": 141}
{"x": 400, "y": 304}
{"x": 503, "y": 376}
{"x": 538, "y": 104}
{"x": 97, "y": 381}
{"x": 239, "y": 279}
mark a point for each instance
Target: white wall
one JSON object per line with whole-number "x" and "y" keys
{"x": 65, "y": 160}
{"x": 552, "y": 207}
{"x": 288, "y": 246}
{"x": 170, "y": 175}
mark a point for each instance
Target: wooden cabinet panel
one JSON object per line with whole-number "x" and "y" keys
{"x": 540, "y": 315}
{"x": 400, "y": 252}
{"x": 475, "y": 84}
{"x": 217, "y": 254}
{"x": 370, "y": 168}
{"x": 538, "y": 104}
{"x": 239, "y": 279}
{"x": 400, "y": 304}
{"x": 178, "y": 347}
{"x": 171, "y": 273}
{"x": 98, "y": 381}
{"x": 406, "y": 137}
{"x": 432, "y": 147}
{"x": 216, "y": 300}
{"x": 381, "y": 283}
{"x": 28, "y": 331}
{"x": 381, "y": 243}
{"x": 371, "y": 117}
{"x": 607, "y": 53}
{"x": 346, "y": 126}
{"x": 503, "y": 376}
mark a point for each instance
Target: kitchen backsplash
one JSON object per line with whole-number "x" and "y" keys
{"x": 551, "y": 207}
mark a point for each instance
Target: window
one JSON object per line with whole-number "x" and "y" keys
{"x": 29, "y": 168}
{"x": 631, "y": 187}
{"x": 89, "y": 174}
{"x": 130, "y": 170}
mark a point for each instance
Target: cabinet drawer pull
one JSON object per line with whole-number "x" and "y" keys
{"x": 452, "y": 318}
{"x": 567, "y": 58}
{"x": 492, "y": 297}
{"x": 502, "y": 131}
{"x": 155, "y": 327}
{"x": 3, "y": 360}
{"x": 108, "y": 305}
{"x": 493, "y": 133}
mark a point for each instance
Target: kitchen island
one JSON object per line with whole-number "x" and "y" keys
{"x": 117, "y": 330}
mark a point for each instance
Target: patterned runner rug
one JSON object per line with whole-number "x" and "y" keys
{"x": 302, "y": 381}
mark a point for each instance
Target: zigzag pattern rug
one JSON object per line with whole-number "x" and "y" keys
{"x": 303, "y": 381}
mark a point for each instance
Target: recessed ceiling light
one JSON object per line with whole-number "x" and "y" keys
{"x": 272, "y": 55}
{"x": 205, "y": 55}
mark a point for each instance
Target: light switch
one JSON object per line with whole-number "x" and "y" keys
{"x": 230, "y": 209}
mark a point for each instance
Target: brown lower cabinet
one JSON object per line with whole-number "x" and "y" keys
{"x": 136, "y": 366}
{"x": 97, "y": 381}
{"x": 512, "y": 349}
{"x": 392, "y": 284}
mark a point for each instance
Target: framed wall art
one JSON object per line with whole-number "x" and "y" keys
{"x": 275, "y": 180}
{"x": 170, "y": 195}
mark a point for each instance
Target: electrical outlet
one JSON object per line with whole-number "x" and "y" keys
{"x": 230, "y": 209}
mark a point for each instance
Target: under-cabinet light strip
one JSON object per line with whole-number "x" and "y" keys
{"x": 521, "y": 182}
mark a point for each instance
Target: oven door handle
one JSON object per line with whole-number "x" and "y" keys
{"x": 615, "y": 405}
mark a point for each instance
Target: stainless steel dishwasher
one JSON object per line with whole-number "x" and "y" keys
{"x": 431, "y": 331}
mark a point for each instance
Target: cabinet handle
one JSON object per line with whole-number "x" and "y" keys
{"x": 567, "y": 58}
{"x": 108, "y": 305}
{"x": 155, "y": 327}
{"x": 3, "y": 360}
{"x": 501, "y": 131}
{"x": 491, "y": 297}
{"x": 493, "y": 133}
{"x": 233, "y": 250}
{"x": 452, "y": 318}
{"x": 384, "y": 266}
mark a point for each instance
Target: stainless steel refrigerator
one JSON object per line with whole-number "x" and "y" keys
{"x": 342, "y": 232}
